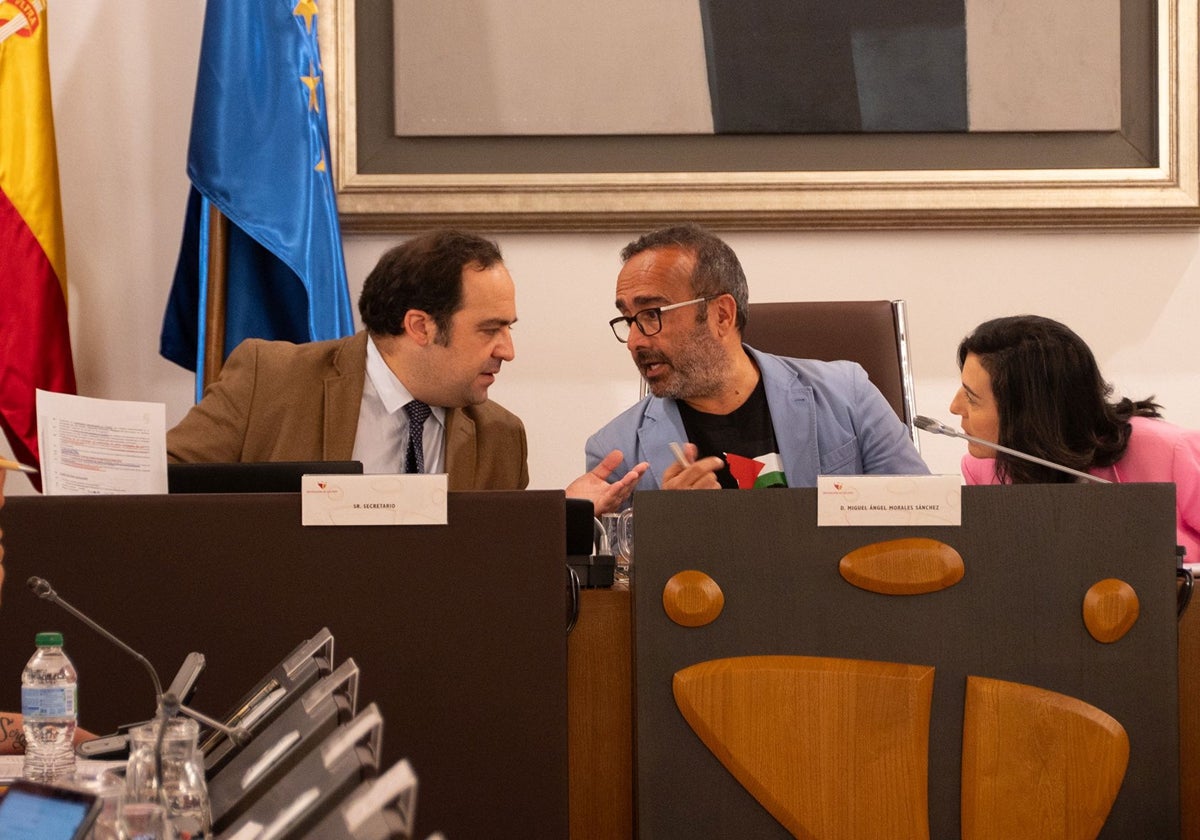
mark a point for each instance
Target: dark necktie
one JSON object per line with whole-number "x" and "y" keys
{"x": 418, "y": 412}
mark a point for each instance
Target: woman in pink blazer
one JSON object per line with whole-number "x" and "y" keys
{"x": 1031, "y": 384}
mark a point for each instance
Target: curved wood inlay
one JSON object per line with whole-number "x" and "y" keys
{"x": 833, "y": 748}
{"x": 1036, "y": 763}
{"x": 692, "y": 599}
{"x": 1110, "y": 609}
{"x": 912, "y": 566}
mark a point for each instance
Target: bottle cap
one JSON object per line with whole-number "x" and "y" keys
{"x": 48, "y": 640}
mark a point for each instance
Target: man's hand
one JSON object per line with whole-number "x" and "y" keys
{"x": 697, "y": 475}
{"x": 606, "y": 498}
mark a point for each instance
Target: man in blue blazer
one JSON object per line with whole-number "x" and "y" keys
{"x": 743, "y": 418}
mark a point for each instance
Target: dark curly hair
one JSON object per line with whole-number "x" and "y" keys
{"x": 423, "y": 273}
{"x": 1051, "y": 399}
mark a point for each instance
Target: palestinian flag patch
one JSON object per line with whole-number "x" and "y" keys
{"x": 763, "y": 471}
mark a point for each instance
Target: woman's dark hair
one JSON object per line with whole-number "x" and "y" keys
{"x": 1051, "y": 399}
{"x": 423, "y": 273}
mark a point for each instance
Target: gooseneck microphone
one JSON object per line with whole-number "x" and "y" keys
{"x": 168, "y": 703}
{"x": 928, "y": 424}
{"x": 42, "y": 588}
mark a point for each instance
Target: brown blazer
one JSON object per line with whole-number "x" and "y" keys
{"x": 278, "y": 401}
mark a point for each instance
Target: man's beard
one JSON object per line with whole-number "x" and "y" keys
{"x": 695, "y": 370}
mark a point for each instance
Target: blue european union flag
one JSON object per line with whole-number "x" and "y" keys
{"x": 259, "y": 153}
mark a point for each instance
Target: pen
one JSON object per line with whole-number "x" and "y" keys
{"x": 6, "y": 464}
{"x": 680, "y": 458}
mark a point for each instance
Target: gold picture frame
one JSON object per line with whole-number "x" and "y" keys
{"x": 1145, "y": 175}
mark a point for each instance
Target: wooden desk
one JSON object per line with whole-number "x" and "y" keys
{"x": 600, "y": 720}
{"x": 1189, "y": 722}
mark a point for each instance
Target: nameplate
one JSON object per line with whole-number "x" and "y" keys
{"x": 889, "y": 500}
{"x": 373, "y": 499}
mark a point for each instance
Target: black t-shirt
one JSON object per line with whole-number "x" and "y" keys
{"x": 745, "y": 438}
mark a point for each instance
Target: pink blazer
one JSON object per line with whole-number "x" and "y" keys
{"x": 1157, "y": 452}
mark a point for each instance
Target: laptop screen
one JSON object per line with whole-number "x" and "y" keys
{"x": 253, "y": 477}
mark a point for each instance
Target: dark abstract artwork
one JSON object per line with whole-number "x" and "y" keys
{"x": 806, "y": 66}
{"x": 756, "y": 67}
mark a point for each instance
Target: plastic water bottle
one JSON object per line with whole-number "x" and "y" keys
{"x": 49, "y": 693}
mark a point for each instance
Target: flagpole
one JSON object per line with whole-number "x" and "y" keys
{"x": 214, "y": 314}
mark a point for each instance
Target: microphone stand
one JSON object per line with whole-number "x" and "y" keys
{"x": 165, "y": 710}
{"x": 928, "y": 424}
{"x": 168, "y": 704}
{"x": 168, "y": 707}
{"x": 42, "y": 588}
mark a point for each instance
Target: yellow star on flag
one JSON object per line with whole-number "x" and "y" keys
{"x": 311, "y": 83}
{"x": 306, "y": 9}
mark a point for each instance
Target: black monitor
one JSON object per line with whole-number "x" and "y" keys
{"x": 581, "y": 531}
{"x": 252, "y": 477}
{"x": 278, "y": 748}
{"x": 379, "y": 809}
{"x": 310, "y": 661}
{"x": 589, "y": 569}
{"x": 318, "y": 783}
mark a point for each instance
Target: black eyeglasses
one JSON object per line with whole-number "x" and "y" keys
{"x": 649, "y": 321}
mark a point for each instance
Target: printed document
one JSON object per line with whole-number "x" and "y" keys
{"x": 95, "y": 447}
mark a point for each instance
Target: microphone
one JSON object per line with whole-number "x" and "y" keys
{"x": 42, "y": 588}
{"x": 168, "y": 703}
{"x": 928, "y": 424}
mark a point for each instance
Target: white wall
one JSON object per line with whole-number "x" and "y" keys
{"x": 123, "y": 88}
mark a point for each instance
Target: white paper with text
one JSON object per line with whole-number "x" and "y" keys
{"x": 91, "y": 446}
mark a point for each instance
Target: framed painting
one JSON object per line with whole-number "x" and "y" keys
{"x": 473, "y": 126}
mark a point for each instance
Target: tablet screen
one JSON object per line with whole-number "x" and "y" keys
{"x": 31, "y": 811}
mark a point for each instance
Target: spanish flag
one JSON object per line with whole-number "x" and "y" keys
{"x": 35, "y": 345}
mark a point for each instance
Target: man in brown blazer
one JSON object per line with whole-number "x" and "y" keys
{"x": 438, "y": 311}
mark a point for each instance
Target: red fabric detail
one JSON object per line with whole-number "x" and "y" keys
{"x": 35, "y": 342}
{"x": 744, "y": 470}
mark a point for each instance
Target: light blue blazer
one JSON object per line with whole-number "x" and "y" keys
{"x": 828, "y": 417}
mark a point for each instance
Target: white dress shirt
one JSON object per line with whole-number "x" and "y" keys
{"x": 381, "y": 441}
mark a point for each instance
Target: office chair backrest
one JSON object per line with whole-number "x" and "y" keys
{"x": 873, "y": 333}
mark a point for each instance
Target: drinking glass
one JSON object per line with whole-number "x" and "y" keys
{"x": 618, "y": 528}
{"x": 109, "y": 786}
{"x": 182, "y": 790}
{"x": 144, "y": 821}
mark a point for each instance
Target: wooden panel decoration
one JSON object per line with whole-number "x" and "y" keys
{"x": 692, "y": 599}
{"x": 1110, "y": 609}
{"x": 1037, "y": 763}
{"x": 1014, "y": 616}
{"x": 909, "y": 566}
{"x": 809, "y": 737}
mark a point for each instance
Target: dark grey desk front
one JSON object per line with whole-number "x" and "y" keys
{"x": 458, "y": 630}
{"x": 1031, "y": 553}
